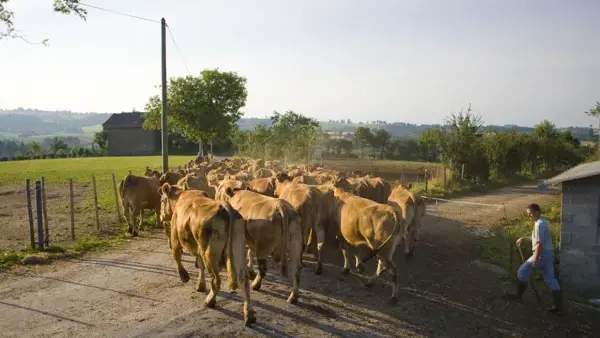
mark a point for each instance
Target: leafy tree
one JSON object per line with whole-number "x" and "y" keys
{"x": 101, "y": 139}
{"x": 60, "y": 6}
{"x": 35, "y": 148}
{"x": 429, "y": 141}
{"x": 380, "y": 141}
{"x": 362, "y": 138}
{"x": 200, "y": 108}
{"x": 595, "y": 112}
{"x": 57, "y": 145}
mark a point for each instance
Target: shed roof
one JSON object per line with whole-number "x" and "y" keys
{"x": 580, "y": 171}
{"x": 125, "y": 120}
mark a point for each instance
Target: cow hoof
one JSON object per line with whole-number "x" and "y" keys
{"x": 345, "y": 271}
{"x": 134, "y": 234}
{"x": 319, "y": 270}
{"x": 184, "y": 275}
{"x": 392, "y": 301}
{"x": 251, "y": 274}
{"x": 408, "y": 257}
{"x": 250, "y": 319}
{"x": 360, "y": 269}
{"x": 256, "y": 286}
{"x": 129, "y": 230}
{"x": 369, "y": 284}
{"x": 201, "y": 287}
{"x": 293, "y": 299}
{"x": 210, "y": 303}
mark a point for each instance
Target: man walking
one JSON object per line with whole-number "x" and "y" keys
{"x": 542, "y": 259}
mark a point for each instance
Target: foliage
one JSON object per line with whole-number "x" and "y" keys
{"x": 101, "y": 139}
{"x": 291, "y": 136}
{"x": 361, "y": 138}
{"x": 60, "y": 6}
{"x": 204, "y": 107}
{"x": 35, "y": 149}
{"x": 57, "y": 145}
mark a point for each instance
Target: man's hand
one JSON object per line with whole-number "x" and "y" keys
{"x": 535, "y": 261}
{"x": 520, "y": 242}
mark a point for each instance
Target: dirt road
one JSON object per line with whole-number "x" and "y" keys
{"x": 134, "y": 291}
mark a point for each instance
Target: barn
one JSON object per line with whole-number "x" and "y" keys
{"x": 580, "y": 227}
{"x": 127, "y": 137}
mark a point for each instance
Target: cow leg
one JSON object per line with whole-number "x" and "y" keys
{"x": 320, "y": 242}
{"x": 344, "y": 247}
{"x": 250, "y": 267}
{"x": 409, "y": 246}
{"x": 134, "y": 216}
{"x": 262, "y": 272}
{"x": 393, "y": 270}
{"x": 177, "y": 252}
{"x": 295, "y": 253}
{"x": 212, "y": 265}
{"x": 201, "y": 284}
{"x": 381, "y": 267}
{"x": 360, "y": 267}
{"x": 126, "y": 211}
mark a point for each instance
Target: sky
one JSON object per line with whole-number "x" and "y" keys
{"x": 514, "y": 61}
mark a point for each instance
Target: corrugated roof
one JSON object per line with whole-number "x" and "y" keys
{"x": 580, "y": 171}
{"x": 124, "y": 120}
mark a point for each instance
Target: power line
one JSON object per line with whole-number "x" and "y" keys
{"x": 178, "y": 51}
{"x": 119, "y": 13}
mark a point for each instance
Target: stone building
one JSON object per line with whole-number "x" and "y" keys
{"x": 126, "y": 136}
{"x": 580, "y": 227}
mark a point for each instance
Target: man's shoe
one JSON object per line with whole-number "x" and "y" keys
{"x": 521, "y": 287}
{"x": 557, "y": 309}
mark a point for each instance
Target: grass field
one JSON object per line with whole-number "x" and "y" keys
{"x": 13, "y": 207}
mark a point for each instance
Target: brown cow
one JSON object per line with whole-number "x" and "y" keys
{"x": 273, "y": 227}
{"x": 197, "y": 182}
{"x": 265, "y": 186}
{"x": 305, "y": 200}
{"x": 378, "y": 226}
{"x": 138, "y": 193}
{"x": 215, "y": 234}
{"x": 170, "y": 177}
{"x": 413, "y": 210}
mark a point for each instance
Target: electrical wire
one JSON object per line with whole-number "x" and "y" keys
{"x": 119, "y": 13}
{"x": 178, "y": 51}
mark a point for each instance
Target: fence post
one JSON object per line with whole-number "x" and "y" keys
{"x": 30, "y": 213}
{"x": 40, "y": 214}
{"x": 45, "y": 211}
{"x": 462, "y": 172}
{"x": 444, "y": 176}
{"x": 129, "y": 172}
{"x": 72, "y": 209}
{"x": 116, "y": 199}
{"x": 426, "y": 180}
{"x": 96, "y": 203}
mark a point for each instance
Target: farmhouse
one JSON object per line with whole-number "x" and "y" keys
{"x": 580, "y": 227}
{"x": 127, "y": 137}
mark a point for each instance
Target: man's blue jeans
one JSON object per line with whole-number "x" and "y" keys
{"x": 545, "y": 265}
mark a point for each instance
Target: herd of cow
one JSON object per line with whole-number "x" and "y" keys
{"x": 217, "y": 210}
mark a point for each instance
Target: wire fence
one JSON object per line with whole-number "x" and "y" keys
{"x": 65, "y": 211}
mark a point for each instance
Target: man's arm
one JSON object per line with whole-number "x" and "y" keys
{"x": 538, "y": 245}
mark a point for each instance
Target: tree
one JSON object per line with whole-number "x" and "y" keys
{"x": 380, "y": 141}
{"x": 200, "y": 108}
{"x": 35, "y": 149}
{"x": 57, "y": 145}
{"x": 595, "y": 112}
{"x": 101, "y": 139}
{"x": 361, "y": 138}
{"x": 60, "y": 6}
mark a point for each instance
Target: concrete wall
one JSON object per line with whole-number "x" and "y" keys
{"x": 132, "y": 141}
{"x": 580, "y": 235}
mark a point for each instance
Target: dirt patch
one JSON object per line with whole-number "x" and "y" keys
{"x": 14, "y": 221}
{"x": 135, "y": 292}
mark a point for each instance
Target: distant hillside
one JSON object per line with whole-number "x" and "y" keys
{"x": 32, "y": 124}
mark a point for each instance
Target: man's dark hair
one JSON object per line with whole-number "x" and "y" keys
{"x": 534, "y": 207}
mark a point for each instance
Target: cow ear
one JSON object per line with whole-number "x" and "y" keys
{"x": 229, "y": 192}
{"x": 185, "y": 186}
{"x": 165, "y": 189}
{"x": 396, "y": 183}
{"x": 409, "y": 186}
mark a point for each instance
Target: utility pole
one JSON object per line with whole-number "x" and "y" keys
{"x": 163, "y": 131}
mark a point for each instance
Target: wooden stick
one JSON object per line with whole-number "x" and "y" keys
{"x": 40, "y": 214}
{"x": 45, "y": 211}
{"x": 72, "y": 209}
{"x": 96, "y": 203}
{"x": 116, "y": 199}
{"x": 30, "y": 213}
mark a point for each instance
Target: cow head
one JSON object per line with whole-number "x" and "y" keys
{"x": 168, "y": 196}
{"x": 404, "y": 186}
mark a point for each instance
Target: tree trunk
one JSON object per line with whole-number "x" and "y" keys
{"x": 598, "y": 140}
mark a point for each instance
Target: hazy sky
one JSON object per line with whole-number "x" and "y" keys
{"x": 517, "y": 62}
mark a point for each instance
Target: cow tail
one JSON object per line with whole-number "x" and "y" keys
{"x": 231, "y": 268}
{"x": 285, "y": 237}
{"x": 398, "y": 220}
{"x": 121, "y": 188}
